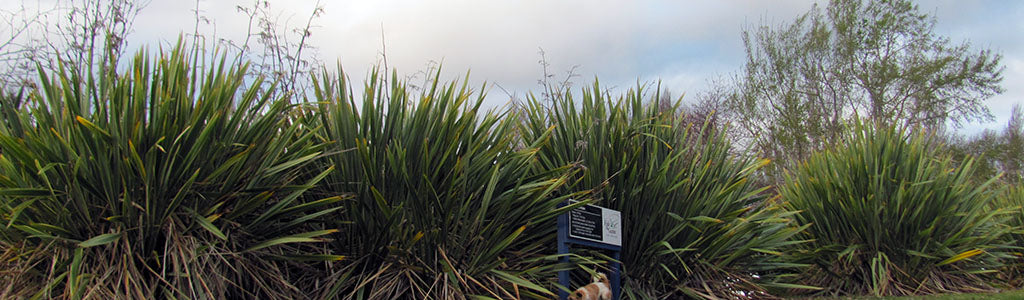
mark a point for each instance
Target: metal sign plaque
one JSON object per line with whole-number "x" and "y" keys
{"x": 596, "y": 224}
{"x": 594, "y": 227}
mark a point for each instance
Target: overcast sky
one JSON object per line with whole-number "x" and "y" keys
{"x": 682, "y": 43}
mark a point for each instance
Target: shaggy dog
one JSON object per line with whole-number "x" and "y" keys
{"x": 600, "y": 289}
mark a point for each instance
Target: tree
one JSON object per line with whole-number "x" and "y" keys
{"x": 90, "y": 36}
{"x": 86, "y": 36}
{"x": 878, "y": 60}
{"x": 995, "y": 152}
{"x": 16, "y": 48}
{"x": 281, "y": 52}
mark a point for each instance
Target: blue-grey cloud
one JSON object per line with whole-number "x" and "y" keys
{"x": 682, "y": 43}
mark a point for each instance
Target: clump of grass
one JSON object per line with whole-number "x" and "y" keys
{"x": 164, "y": 181}
{"x": 1012, "y": 200}
{"x": 694, "y": 225}
{"x": 889, "y": 215}
{"x": 448, "y": 203}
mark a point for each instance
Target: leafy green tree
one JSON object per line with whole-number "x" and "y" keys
{"x": 876, "y": 59}
{"x": 996, "y": 152}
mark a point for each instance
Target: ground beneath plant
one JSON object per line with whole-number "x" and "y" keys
{"x": 1018, "y": 294}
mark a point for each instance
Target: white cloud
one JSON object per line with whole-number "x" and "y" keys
{"x": 498, "y": 41}
{"x": 681, "y": 42}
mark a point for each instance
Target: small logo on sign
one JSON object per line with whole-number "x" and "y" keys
{"x": 611, "y": 226}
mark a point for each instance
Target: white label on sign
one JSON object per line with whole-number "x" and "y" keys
{"x": 612, "y": 227}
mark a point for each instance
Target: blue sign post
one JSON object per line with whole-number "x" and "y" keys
{"x": 590, "y": 226}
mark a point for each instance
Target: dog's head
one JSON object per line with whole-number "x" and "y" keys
{"x": 577, "y": 295}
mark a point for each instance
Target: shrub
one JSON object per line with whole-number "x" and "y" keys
{"x": 1012, "y": 199}
{"x": 447, "y": 204}
{"x": 166, "y": 181}
{"x": 693, "y": 223}
{"x": 889, "y": 215}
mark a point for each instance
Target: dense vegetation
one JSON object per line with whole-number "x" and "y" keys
{"x": 697, "y": 225}
{"x": 172, "y": 181}
{"x": 449, "y": 201}
{"x": 888, "y": 215}
{"x": 156, "y": 183}
{"x": 881, "y": 60}
{"x": 822, "y": 169}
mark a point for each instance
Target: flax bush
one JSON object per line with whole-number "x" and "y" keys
{"x": 448, "y": 204}
{"x": 694, "y": 225}
{"x": 164, "y": 180}
{"x": 888, "y": 214}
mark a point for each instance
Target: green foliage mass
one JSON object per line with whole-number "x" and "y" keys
{"x": 880, "y": 60}
{"x": 448, "y": 199}
{"x": 889, "y": 215}
{"x": 995, "y": 152}
{"x": 164, "y": 181}
{"x": 1012, "y": 200}
{"x": 694, "y": 225}
{"x": 170, "y": 180}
